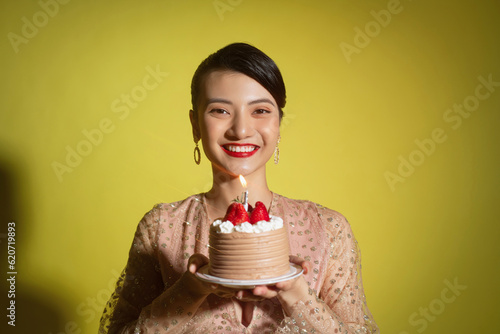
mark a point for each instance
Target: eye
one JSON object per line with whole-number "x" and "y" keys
{"x": 262, "y": 111}
{"x": 219, "y": 111}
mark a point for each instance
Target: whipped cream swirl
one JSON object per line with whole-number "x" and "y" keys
{"x": 274, "y": 223}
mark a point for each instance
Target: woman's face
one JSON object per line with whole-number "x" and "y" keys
{"x": 238, "y": 123}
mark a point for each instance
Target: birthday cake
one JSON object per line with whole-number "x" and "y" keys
{"x": 245, "y": 246}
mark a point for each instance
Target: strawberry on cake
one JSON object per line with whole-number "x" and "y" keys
{"x": 247, "y": 246}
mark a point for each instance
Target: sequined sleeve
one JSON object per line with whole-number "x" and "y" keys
{"x": 139, "y": 284}
{"x": 341, "y": 305}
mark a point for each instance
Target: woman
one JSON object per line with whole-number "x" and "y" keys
{"x": 237, "y": 99}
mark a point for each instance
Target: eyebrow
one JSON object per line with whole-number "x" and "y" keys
{"x": 220, "y": 100}
{"x": 264, "y": 100}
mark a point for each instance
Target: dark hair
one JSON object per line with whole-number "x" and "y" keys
{"x": 246, "y": 59}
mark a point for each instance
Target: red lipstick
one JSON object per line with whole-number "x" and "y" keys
{"x": 246, "y": 150}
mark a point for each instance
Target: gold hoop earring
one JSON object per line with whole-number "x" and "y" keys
{"x": 197, "y": 154}
{"x": 277, "y": 152}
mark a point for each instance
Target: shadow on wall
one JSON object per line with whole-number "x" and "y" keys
{"x": 30, "y": 309}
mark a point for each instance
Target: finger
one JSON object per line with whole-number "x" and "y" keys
{"x": 296, "y": 259}
{"x": 286, "y": 285}
{"x": 306, "y": 265}
{"x": 248, "y": 296}
{"x": 196, "y": 261}
{"x": 264, "y": 291}
{"x": 265, "y": 288}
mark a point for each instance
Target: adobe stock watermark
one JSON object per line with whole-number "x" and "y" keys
{"x": 454, "y": 117}
{"x": 31, "y": 26}
{"x": 91, "y": 307}
{"x": 223, "y": 6}
{"x": 94, "y": 137}
{"x": 421, "y": 319}
{"x": 373, "y": 28}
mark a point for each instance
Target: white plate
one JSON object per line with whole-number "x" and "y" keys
{"x": 295, "y": 271}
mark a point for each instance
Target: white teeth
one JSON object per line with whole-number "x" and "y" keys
{"x": 240, "y": 148}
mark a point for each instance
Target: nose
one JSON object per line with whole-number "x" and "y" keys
{"x": 241, "y": 126}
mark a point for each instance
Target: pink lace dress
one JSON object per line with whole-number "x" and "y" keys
{"x": 170, "y": 233}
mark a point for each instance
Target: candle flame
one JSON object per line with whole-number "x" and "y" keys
{"x": 243, "y": 181}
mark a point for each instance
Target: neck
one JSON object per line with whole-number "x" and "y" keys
{"x": 226, "y": 188}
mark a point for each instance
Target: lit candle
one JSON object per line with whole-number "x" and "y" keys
{"x": 245, "y": 194}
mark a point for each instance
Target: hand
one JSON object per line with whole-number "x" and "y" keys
{"x": 288, "y": 291}
{"x": 199, "y": 287}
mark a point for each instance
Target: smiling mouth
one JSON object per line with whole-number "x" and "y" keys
{"x": 241, "y": 150}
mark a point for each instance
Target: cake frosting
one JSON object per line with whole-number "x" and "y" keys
{"x": 274, "y": 223}
{"x": 249, "y": 251}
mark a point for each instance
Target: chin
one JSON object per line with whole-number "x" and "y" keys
{"x": 236, "y": 169}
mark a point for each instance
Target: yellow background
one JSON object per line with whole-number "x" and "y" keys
{"x": 347, "y": 123}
